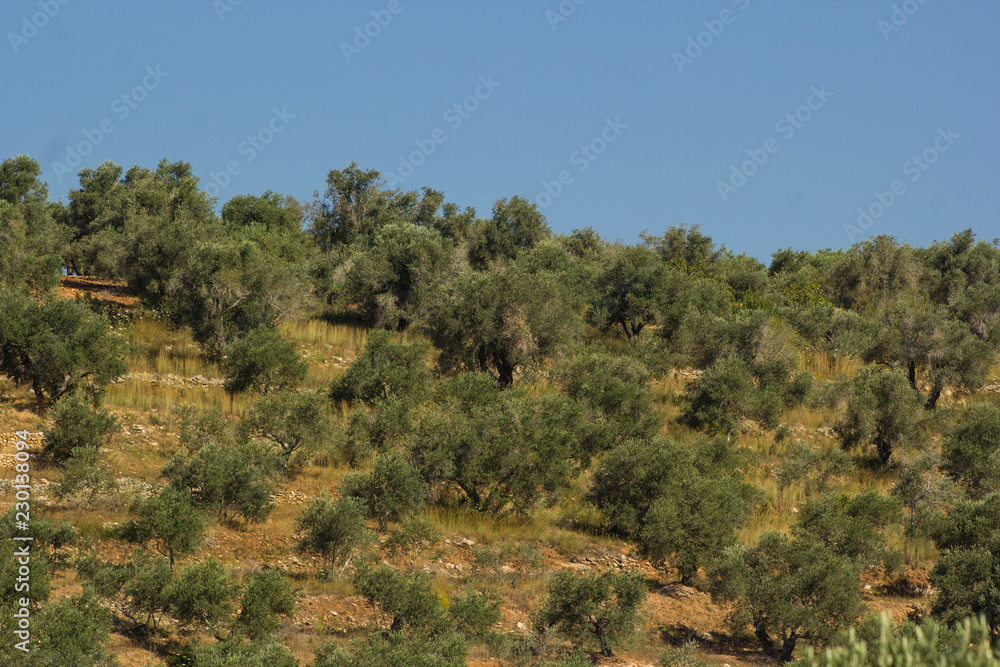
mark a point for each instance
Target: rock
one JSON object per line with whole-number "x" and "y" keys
{"x": 521, "y": 626}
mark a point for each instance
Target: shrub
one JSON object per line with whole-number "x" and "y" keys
{"x": 391, "y": 490}
{"x": 266, "y": 596}
{"x": 600, "y": 608}
{"x": 71, "y": 633}
{"x": 170, "y": 520}
{"x": 56, "y": 347}
{"x": 76, "y": 425}
{"x": 384, "y": 370}
{"x": 201, "y": 595}
{"x": 919, "y": 645}
{"x": 261, "y": 361}
{"x": 410, "y": 602}
{"x": 882, "y": 410}
{"x": 332, "y": 529}
{"x": 225, "y": 479}
{"x": 786, "y": 590}
{"x": 968, "y": 572}
{"x": 972, "y": 450}
{"x": 293, "y": 420}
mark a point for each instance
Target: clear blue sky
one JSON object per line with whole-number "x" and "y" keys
{"x": 672, "y": 129}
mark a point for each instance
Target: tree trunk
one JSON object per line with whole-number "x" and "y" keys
{"x": 788, "y": 647}
{"x": 935, "y": 395}
{"x": 911, "y": 372}
{"x": 505, "y": 373}
{"x": 765, "y": 641}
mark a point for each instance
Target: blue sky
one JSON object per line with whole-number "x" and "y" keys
{"x": 769, "y": 123}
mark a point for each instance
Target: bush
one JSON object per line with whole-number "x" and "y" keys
{"x": 293, "y": 420}
{"x": 261, "y": 361}
{"x": 921, "y": 645}
{"x": 201, "y": 595}
{"x": 56, "y": 347}
{"x": 384, "y": 370}
{"x": 786, "y": 590}
{"x": 972, "y": 450}
{"x": 391, "y": 490}
{"x": 396, "y": 649}
{"x": 70, "y": 633}
{"x": 968, "y": 572}
{"x": 853, "y": 526}
{"x": 724, "y": 393}
{"x": 679, "y": 504}
{"x": 225, "y": 479}
{"x": 234, "y": 653}
{"x": 600, "y": 608}
{"x": 170, "y": 520}
{"x": 882, "y": 410}
{"x": 266, "y": 596}
{"x": 410, "y": 602}
{"x": 332, "y": 529}
{"x": 76, "y": 425}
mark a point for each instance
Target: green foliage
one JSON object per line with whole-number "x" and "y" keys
{"x": 971, "y": 451}
{"x": 681, "y": 505}
{"x": 410, "y": 601}
{"x": 925, "y": 645}
{"x": 686, "y": 249}
{"x": 384, "y": 370}
{"x": 596, "y": 608}
{"x": 391, "y": 277}
{"x": 355, "y": 205}
{"x": 724, "y": 393}
{"x": 683, "y": 656}
{"x": 411, "y": 537}
{"x": 262, "y": 361}
{"x": 882, "y": 410}
{"x": 476, "y": 613}
{"x": 968, "y": 573}
{"x": 293, "y": 420}
{"x": 786, "y": 590}
{"x": 630, "y": 289}
{"x": 235, "y": 653}
{"x": 45, "y": 550}
{"x": 76, "y": 424}
{"x": 852, "y": 526}
{"x": 332, "y": 529}
{"x": 170, "y": 520}
{"x": 69, "y": 633}
{"x": 394, "y": 650}
{"x": 201, "y": 595}
{"x": 516, "y": 226}
{"x": 613, "y": 391}
{"x": 229, "y": 480}
{"x": 390, "y": 491}
{"x": 272, "y": 211}
{"x": 502, "y": 450}
{"x": 56, "y": 346}
{"x": 137, "y": 589}
{"x": 500, "y": 321}
{"x": 268, "y": 595}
